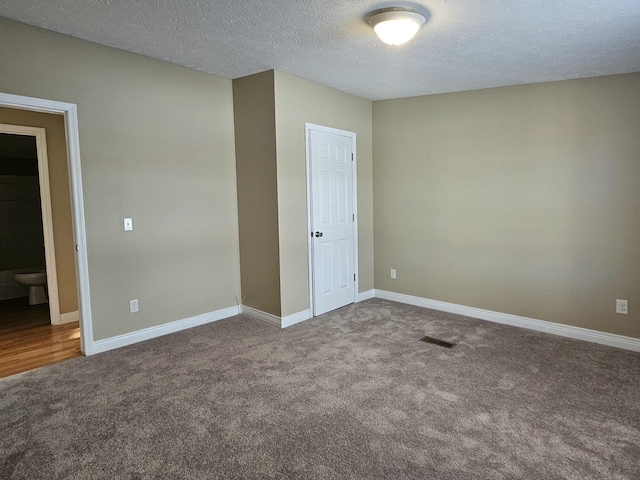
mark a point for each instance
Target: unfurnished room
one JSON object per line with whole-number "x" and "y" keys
{"x": 319, "y": 239}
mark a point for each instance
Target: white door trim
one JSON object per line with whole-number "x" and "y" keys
{"x": 70, "y": 112}
{"x": 45, "y": 207}
{"x": 352, "y": 135}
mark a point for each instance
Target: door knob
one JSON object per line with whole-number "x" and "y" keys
{"x": 319, "y": 234}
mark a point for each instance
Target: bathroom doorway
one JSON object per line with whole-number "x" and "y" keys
{"x": 22, "y": 251}
{"x": 33, "y": 332}
{"x": 28, "y": 246}
{"x": 14, "y": 104}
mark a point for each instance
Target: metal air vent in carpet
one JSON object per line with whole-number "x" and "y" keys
{"x": 437, "y": 341}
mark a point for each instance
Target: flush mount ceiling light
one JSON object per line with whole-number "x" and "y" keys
{"x": 396, "y": 26}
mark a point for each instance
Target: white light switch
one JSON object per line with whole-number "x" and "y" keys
{"x": 128, "y": 224}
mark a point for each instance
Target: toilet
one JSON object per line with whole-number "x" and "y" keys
{"x": 36, "y": 283}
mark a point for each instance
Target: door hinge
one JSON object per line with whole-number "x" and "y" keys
{"x": 354, "y": 277}
{"x": 353, "y": 217}
{"x": 352, "y": 157}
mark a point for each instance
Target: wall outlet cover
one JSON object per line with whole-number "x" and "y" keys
{"x": 622, "y": 307}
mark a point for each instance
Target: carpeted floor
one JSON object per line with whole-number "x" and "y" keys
{"x": 352, "y": 394}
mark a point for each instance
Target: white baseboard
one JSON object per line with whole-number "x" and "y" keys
{"x": 69, "y": 317}
{"x": 164, "y": 329}
{"x": 595, "y": 336}
{"x": 284, "y": 322}
{"x": 260, "y": 315}
{"x": 280, "y": 322}
{"x": 296, "y": 318}
{"x": 362, "y": 296}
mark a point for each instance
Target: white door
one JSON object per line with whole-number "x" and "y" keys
{"x": 332, "y": 219}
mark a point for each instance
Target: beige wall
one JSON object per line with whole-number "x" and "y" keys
{"x": 60, "y": 198}
{"x": 156, "y": 142}
{"x": 299, "y": 101}
{"x": 521, "y": 200}
{"x": 255, "y": 134}
{"x": 272, "y": 184}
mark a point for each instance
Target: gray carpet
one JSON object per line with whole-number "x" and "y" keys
{"x": 352, "y": 394}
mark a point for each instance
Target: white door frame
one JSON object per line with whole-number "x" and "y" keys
{"x": 70, "y": 112}
{"x": 352, "y": 135}
{"x": 45, "y": 207}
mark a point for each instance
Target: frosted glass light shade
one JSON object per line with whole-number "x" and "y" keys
{"x": 397, "y": 26}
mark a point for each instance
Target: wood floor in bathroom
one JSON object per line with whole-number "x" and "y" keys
{"x": 28, "y": 340}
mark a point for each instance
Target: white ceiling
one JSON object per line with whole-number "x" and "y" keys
{"x": 465, "y": 44}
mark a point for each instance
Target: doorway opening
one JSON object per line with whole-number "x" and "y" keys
{"x": 28, "y": 251}
{"x": 29, "y": 294}
{"x": 78, "y": 259}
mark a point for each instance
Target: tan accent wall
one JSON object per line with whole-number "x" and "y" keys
{"x": 255, "y": 134}
{"x": 521, "y": 200}
{"x": 299, "y": 101}
{"x": 60, "y": 198}
{"x": 156, "y": 142}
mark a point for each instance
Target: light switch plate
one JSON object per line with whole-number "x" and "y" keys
{"x": 128, "y": 224}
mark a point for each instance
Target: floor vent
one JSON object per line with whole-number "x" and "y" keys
{"x": 436, "y": 341}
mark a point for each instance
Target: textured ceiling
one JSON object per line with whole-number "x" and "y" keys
{"x": 465, "y": 44}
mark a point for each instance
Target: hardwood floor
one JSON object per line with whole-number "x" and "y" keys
{"x": 17, "y": 314}
{"x": 27, "y": 340}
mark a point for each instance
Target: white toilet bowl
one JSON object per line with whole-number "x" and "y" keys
{"x": 36, "y": 283}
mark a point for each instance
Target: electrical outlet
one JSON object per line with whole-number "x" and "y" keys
{"x": 622, "y": 307}
{"x": 133, "y": 306}
{"x": 393, "y": 273}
